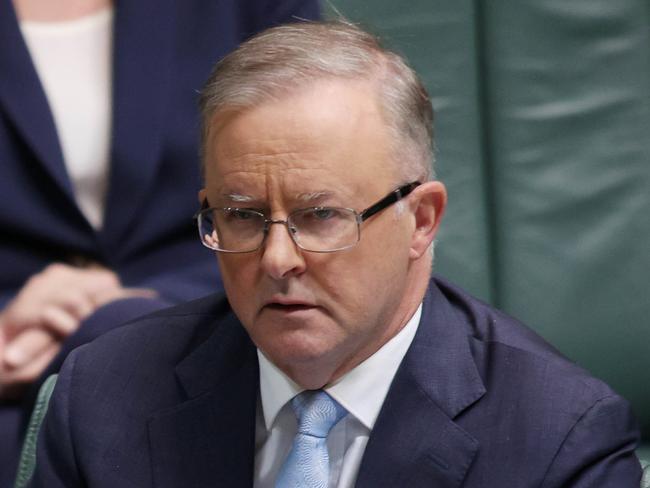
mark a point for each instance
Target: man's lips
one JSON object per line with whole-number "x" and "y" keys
{"x": 288, "y": 305}
{"x": 287, "y": 308}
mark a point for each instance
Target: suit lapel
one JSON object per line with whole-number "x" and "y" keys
{"x": 415, "y": 441}
{"x": 25, "y": 102}
{"x": 209, "y": 440}
{"x": 141, "y": 76}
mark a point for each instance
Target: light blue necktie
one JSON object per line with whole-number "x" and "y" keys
{"x": 308, "y": 465}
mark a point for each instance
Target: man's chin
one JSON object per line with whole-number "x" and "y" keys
{"x": 293, "y": 350}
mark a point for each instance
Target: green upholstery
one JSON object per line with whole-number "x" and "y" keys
{"x": 644, "y": 453}
{"x": 645, "y": 481}
{"x": 543, "y": 130}
{"x": 28, "y": 453}
{"x": 645, "y": 462}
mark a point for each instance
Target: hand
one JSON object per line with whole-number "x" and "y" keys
{"x": 49, "y": 308}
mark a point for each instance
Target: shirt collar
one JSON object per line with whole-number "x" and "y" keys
{"x": 276, "y": 389}
{"x": 361, "y": 391}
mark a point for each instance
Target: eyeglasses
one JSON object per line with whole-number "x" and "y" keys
{"x": 315, "y": 229}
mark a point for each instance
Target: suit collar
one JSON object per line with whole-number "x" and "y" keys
{"x": 210, "y": 437}
{"x": 415, "y": 441}
{"x": 25, "y": 102}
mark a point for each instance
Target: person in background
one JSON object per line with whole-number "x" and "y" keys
{"x": 99, "y": 168}
{"x": 334, "y": 359}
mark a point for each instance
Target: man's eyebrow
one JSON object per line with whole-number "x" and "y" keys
{"x": 314, "y": 196}
{"x": 305, "y": 197}
{"x": 237, "y": 197}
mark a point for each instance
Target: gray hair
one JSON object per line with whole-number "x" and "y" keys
{"x": 283, "y": 59}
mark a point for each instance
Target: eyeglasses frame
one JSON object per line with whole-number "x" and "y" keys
{"x": 383, "y": 203}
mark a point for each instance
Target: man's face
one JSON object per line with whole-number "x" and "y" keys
{"x": 315, "y": 315}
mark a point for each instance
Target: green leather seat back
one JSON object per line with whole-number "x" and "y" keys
{"x": 543, "y": 135}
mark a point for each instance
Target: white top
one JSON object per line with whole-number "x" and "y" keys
{"x": 73, "y": 62}
{"x": 361, "y": 391}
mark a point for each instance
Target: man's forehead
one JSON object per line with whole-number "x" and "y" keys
{"x": 333, "y": 145}
{"x": 353, "y": 97}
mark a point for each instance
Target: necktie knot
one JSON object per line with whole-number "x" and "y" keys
{"x": 317, "y": 412}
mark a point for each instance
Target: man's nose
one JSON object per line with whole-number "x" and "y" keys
{"x": 281, "y": 257}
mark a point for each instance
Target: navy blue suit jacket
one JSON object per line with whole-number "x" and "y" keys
{"x": 478, "y": 401}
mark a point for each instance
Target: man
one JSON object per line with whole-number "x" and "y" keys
{"x": 335, "y": 359}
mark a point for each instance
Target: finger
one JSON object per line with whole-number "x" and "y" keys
{"x": 78, "y": 294}
{"x": 138, "y": 292}
{"x": 78, "y": 304}
{"x": 12, "y": 383}
{"x": 33, "y": 370}
{"x": 25, "y": 347}
{"x": 123, "y": 293}
{"x": 67, "y": 287}
{"x": 76, "y": 291}
{"x": 100, "y": 280}
{"x": 16, "y": 317}
{"x": 73, "y": 286}
{"x": 59, "y": 321}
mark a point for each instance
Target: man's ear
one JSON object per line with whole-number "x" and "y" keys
{"x": 202, "y": 196}
{"x": 428, "y": 203}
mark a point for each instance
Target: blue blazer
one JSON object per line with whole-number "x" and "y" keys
{"x": 163, "y": 53}
{"x": 478, "y": 401}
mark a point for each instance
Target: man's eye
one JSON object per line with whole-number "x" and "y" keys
{"x": 324, "y": 213}
{"x": 241, "y": 215}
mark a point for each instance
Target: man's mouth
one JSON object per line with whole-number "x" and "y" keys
{"x": 279, "y": 307}
{"x": 287, "y": 305}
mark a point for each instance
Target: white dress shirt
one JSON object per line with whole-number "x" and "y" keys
{"x": 361, "y": 391}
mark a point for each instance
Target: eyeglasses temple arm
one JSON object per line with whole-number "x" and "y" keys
{"x": 389, "y": 199}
